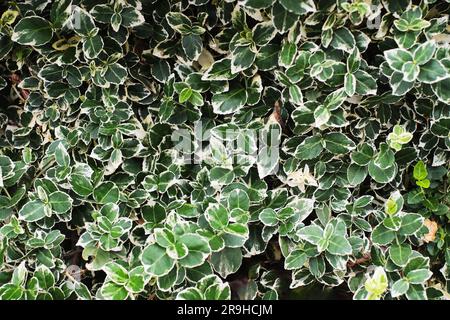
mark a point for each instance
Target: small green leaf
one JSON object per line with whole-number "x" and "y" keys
{"x": 295, "y": 260}
{"x": 33, "y": 31}
{"x": 156, "y": 261}
{"x": 62, "y": 156}
{"x": 60, "y": 202}
{"x": 33, "y": 211}
{"x": 400, "y": 254}
{"x": 419, "y": 276}
{"x": 310, "y": 148}
{"x": 338, "y": 245}
{"x": 311, "y": 234}
{"x": 117, "y": 273}
{"x": 382, "y": 235}
{"x": 217, "y": 216}
{"x": 113, "y": 291}
{"x": 107, "y": 192}
{"x": 433, "y": 71}
{"x": 420, "y": 171}
{"x": 185, "y": 95}
{"x": 268, "y": 217}
{"x": 399, "y": 288}
{"x": 227, "y": 261}
{"x": 338, "y": 143}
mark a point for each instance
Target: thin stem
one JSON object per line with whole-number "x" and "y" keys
{"x": 7, "y": 193}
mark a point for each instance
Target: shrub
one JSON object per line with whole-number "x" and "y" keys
{"x": 216, "y": 149}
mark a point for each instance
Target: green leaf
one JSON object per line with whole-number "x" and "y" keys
{"x": 282, "y": 18}
{"x": 33, "y": 211}
{"x": 343, "y": 39}
{"x": 400, "y": 254}
{"x": 107, "y": 192}
{"x": 410, "y": 71}
{"x": 164, "y": 237}
{"x": 136, "y": 281}
{"x": 295, "y": 95}
{"x": 82, "y": 22}
{"x": 365, "y": 83}
{"x": 258, "y": 4}
{"x": 442, "y": 90}
{"x": 32, "y": 31}
{"x": 424, "y": 183}
{"x": 363, "y": 155}
{"x": 62, "y": 156}
{"x": 416, "y": 292}
{"x": 179, "y": 22}
{"x": 161, "y": 71}
{"x": 394, "y": 204}
{"x": 338, "y": 245}
{"x": 185, "y": 94}
{"x": 420, "y": 171}
{"x": 433, "y": 71}
{"x": 419, "y": 276}
{"x": 392, "y": 223}
{"x": 112, "y": 291}
{"x": 242, "y": 58}
{"x": 312, "y": 234}
{"x": 396, "y": 58}
{"x": 117, "y": 273}
{"x": 227, "y": 261}
{"x": 385, "y": 158}
{"x": 238, "y": 199}
{"x": 45, "y": 277}
{"x": 217, "y": 216}
{"x": 269, "y": 217}
{"x": 350, "y": 84}
{"x": 411, "y": 223}
{"x": 338, "y": 143}
{"x": 192, "y": 46}
{"x": 198, "y": 250}
{"x": 298, "y": 6}
{"x": 115, "y": 73}
{"x": 267, "y": 161}
{"x": 156, "y": 261}
{"x": 229, "y": 102}
{"x": 219, "y": 70}
{"x": 81, "y": 185}
{"x": 356, "y": 174}
{"x": 263, "y": 32}
{"x": 60, "y": 202}
{"x": 310, "y": 148}
{"x": 196, "y": 99}
{"x": 335, "y": 99}
{"x": 321, "y": 116}
{"x": 353, "y": 61}
{"x": 287, "y": 54}
{"x": 295, "y": 260}
{"x": 131, "y": 17}
{"x": 382, "y": 175}
{"x": 399, "y": 288}
{"x": 188, "y": 210}
{"x": 382, "y": 235}
{"x": 399, "y": 86}
{"x": 92, "y": 46}
{"x": 190, "y": 294}
{"x": 102, "y": 13}
{"x": 424, "y": 52}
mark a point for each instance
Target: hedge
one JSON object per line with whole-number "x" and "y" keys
{"x": 223, "y": 149}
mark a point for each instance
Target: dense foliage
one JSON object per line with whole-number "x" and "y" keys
{"x": 217, "y": 149}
